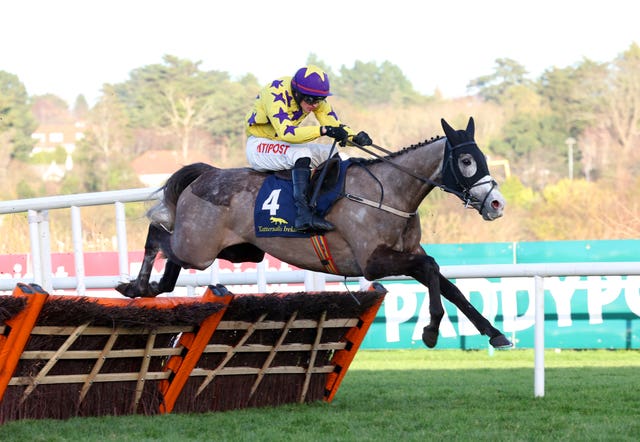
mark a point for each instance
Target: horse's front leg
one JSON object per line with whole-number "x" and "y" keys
{"x": 425, "y": 269}
{"x": 140, "y": 286}
{"x": 420, "y": 266}
{"x": 453, "y": 294}
{"x": 428, "y": 274}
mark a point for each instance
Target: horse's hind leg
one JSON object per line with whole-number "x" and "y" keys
{"x": 171, "y": 268}
{"x": 157, "y": 239}
{"x": 453, "y": 294}
{"x": 168, "y": 281}
{"x": 140, "y": 286}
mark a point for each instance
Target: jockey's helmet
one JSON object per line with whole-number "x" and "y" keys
{"x": 311, "y": 80}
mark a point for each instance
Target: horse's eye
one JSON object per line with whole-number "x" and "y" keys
{"x": 467, "y": 162}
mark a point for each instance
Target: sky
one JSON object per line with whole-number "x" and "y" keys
{"x": 72, "y": 47}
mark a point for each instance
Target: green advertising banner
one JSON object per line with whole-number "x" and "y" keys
{"x": 580, "y": 312}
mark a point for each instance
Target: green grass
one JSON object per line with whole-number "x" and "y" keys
{"x": 412, "y": 395}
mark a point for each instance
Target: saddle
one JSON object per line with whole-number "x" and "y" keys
{"x": 274, "y": 210}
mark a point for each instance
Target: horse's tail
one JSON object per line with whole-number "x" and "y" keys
{"x": 179, "y": 181}
{"x": 164, "y": 212}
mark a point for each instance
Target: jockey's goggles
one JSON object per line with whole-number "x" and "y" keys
{"x": 310, "y": 99}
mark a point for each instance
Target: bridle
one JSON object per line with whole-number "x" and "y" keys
{"x": 460, "y": 185}
{"x": 452, "y": 179}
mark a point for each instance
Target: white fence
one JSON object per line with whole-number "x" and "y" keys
{"x": 38, "y": 218}
{"x": 40, "y": 241}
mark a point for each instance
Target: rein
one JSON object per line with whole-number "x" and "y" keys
{"x": 465, "y": 196}
{"x": 323, "y": 174}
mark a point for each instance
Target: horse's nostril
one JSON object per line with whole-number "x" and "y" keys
{"x": 495, "y": 204}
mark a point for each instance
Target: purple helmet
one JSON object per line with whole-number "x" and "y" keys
{"x": 311, "y": 80}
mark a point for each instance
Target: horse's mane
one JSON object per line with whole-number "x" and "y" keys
{"x": 400, "y": 151}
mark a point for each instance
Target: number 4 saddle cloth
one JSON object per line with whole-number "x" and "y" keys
{"x": 274, "y": 210}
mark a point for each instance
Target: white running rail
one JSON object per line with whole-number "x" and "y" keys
{"x": 40, "y": 241}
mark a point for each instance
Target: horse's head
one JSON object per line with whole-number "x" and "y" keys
{"x": 466, "y": 174}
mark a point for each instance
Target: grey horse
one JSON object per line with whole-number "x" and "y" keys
{"x": 207, "y": 213}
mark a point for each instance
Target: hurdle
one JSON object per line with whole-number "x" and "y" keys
{"x": 64, "y": 356}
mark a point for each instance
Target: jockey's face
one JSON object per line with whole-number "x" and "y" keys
{"x": 306, "y": 107}
{"x": 309, "y": 103}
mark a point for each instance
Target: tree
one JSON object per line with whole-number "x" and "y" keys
{"x": 105, "y": 150}
{"x": 16, "y": 121}
{"x": 368, "y": 84}
{"x": 228, "y": 105}
{"x": 622, "y": 103}
{"x": 175, "y": 96}
{"x": 50, "y": 109}
{"x": 81, "y": 108}
{"x": 533, "y": 146}
{"x": 495, "y": 87}
{"x": 313, "y": 59}
{"x": 574, "y": 94}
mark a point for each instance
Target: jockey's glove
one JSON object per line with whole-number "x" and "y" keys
{"x": 338, "y": 133}
{"x": 362, "y": 139}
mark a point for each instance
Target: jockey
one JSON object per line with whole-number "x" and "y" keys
{"x": 276, "y": 140}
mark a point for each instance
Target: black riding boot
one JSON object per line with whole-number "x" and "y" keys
{"x": 305, "y": 219}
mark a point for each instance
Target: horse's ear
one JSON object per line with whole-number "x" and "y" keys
{"x": 448, "y": 130}
{"x": 471, "y": 128}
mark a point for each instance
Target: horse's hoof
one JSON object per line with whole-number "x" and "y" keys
{"x": 126, "y": 289}
{"x": 500, "y": 341}
{"x": 429, "y": 336}
{"x": 153, "y": 291}
{"x": 219, "y": 290}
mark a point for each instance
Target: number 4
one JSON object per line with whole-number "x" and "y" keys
{"x": 271, "y": 203}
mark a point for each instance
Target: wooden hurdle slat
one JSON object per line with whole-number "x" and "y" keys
{"x": 53, "y": 361}
{"x": 144, "y": 368}
{"x": 19, "y": 329}
{"x": 272, "y": 354}
{"x": 211, "y": 374}
{"x": 94, "y": 354}
{"x": 312, "y": 358}
{"x": 100, "y": 359}
{"x": 298, "y": 323}
{"x": 262, "y": 348}
{"x": 100, "y": 330}
{"x": 80, "y": 378}
{"x": 342, "y": 359}
{"x": 288, "y": 369}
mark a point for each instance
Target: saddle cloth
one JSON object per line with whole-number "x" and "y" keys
{"x": 275, "y": 212}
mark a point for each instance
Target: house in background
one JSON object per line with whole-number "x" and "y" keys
{"x": 49, "y": 136}
{"x": 154, "y": 166}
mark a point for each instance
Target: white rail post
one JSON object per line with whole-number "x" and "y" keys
{"x": 214, "y": 273}
{"x": 538, "y": 341}
{"x": 78, "y": 252}
{"x": 314, "y": 281}
{"x": 261, "y": 275}
{"x": 121, "y": 234}
{"x": 33, "y": 217}
{"x": 44, "y": 238}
